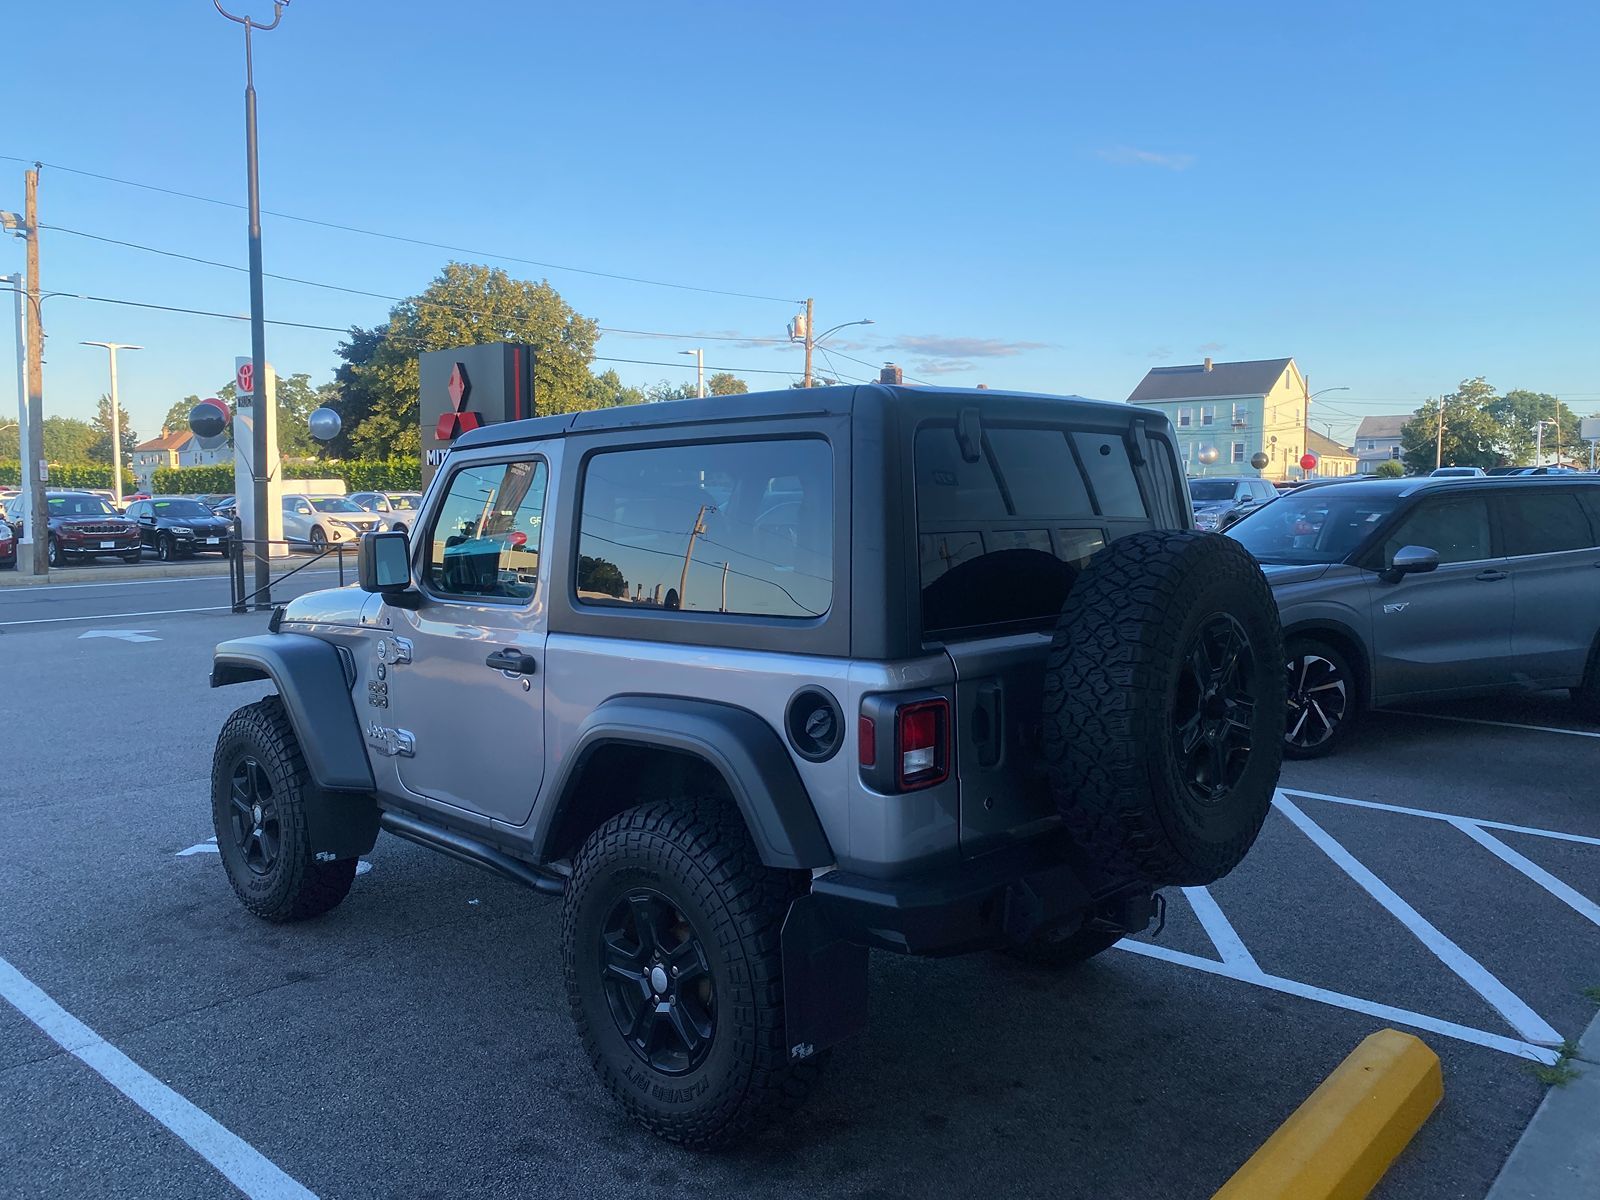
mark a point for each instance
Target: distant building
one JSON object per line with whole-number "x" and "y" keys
{"x": 181, "y": 449}
{"x": 1378, "y": 440}
{"x": 1238, "y": 409}
{"x": 1332, "y": 458}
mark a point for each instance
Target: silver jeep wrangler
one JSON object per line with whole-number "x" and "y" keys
{"x": 756, "y": 683}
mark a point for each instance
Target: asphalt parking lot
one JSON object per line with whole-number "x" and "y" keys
{"x": 1440, "y": 876}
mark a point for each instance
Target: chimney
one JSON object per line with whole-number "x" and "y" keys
{"x": 891, "y": 375}
{"x": 1208, "y": 362}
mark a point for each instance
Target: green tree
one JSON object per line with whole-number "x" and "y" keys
{"x": 67, "y": 440}
{"x": 725, "y": 383}
{"x": 177, "y": 418}
{"x": 351, "y": 394}
{"x": 1472, "y": 436}
{"x": 10, "y": 445}
{"x": 1518, "y": 413}
{"x": 607, "y": 390}
{"x": 100, "y": 448}
{"x": 1389, "y": 468}
{"x": 469, "y": 305}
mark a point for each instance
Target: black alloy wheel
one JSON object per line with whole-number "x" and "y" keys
{"x": 254, "y": 817}
{"x": 319, "y": 539}
{"x": 1319, "y": 701}
{"x": 1214, "y": 709}
{"x": 657, "y": 982}
{"x": 166, "y": 547}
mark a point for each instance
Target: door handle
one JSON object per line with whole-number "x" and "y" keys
{"x": 515, "y": 661}
{"x": 1490, "y": 575}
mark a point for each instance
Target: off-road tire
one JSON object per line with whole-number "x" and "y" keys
{"x": 297, "y": 886}
{"x": 1116, "y": 675}
{"x": 698, "y": 855}
{"x": 1046, "y": 951}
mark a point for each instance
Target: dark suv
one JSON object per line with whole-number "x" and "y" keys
{"x": 757, "y": 683}
{"x": 180, "y": 526}
{"x": 83, "y": 525}
{"x": 1219, "y": 501}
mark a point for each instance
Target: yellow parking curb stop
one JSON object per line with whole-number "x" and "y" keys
{"x": 1338, "y": 1144}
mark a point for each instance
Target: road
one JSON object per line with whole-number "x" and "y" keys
{"x": 415, "y": 1041}
{"x": 140, "y": 598}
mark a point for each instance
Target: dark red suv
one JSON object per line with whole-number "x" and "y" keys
{"x": 83, "y": 525}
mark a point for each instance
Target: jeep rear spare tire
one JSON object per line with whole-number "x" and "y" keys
{"x": 1163, "y": 706}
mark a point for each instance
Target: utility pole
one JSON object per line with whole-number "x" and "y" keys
{"x": 25, "y": 549}
{"x": 116, "y": 415}
{"x": 810, "y": 342}
{"x": 699, "y": 528}
{"x": 724, "y": 607}
{"x": 258, "y": 337}
{"x": 33, "y": 464}
{"x": 1438, "y": 446}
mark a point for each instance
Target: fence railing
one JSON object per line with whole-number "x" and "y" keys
{"x": 242, "y": 552}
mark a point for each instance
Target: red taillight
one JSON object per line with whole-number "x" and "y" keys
{"x": 866, "y": 742}
{"x": 922, "y": 740}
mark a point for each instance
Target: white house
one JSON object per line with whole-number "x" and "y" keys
{"x": 1378, "y": 440}
{"x": 171, "y": 449}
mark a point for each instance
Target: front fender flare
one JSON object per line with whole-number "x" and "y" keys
{"x": 740, "y": 746}
{"x": 310, "y": 676}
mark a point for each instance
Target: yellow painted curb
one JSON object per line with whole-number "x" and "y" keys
{"x": 1338, "y": 1144}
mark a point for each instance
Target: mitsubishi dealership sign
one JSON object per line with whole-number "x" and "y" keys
{"x": 471, "y": 386}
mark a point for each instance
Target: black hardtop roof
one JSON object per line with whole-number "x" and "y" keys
{"x": 841, "y": 399}
{"x": 1409, "y": 486}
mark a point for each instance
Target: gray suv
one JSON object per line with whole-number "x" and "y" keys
{"x": 757, "y": 683}
{"x": 1397, "y": 590}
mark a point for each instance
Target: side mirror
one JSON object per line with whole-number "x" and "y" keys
{"x": 383, "y": 562}
{"x": 1411, "y": 560}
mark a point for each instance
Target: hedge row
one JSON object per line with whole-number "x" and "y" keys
{"x": 68, "y": 475}
{"x": 378, "y": 475}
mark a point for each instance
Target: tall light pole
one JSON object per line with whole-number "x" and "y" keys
{"x": 699, "y": 370}
{"x": 812, "y": 340}
{"x": 116, "y": 415}
{"x": 1538, "y": 442}
{"x": 15, "y": 280}
{"x": 258, "y": 336}
{"x": 1310, "y": 396}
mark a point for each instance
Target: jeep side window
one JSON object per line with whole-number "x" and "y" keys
{"x": 716, "y": 527}
{"x": 484, "y": 543}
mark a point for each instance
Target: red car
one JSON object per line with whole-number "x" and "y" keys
{"x": 8, "y": 545}
{"x": 83, "y": 525}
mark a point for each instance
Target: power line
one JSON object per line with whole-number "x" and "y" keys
{"x": 336, "y": 287}
{"x": 395, "y": 237}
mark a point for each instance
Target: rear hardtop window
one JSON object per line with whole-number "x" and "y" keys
{"x": 1001, "y": 539}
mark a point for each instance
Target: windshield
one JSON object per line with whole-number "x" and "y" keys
{"x": 1319, "y": 525}
{"x": 335, "y": 504}
{"x": 404, "y": 501}
{"x": 80, "y": 506}
{"x": 180, "y": 508}
{"x": 1211, "y": 489}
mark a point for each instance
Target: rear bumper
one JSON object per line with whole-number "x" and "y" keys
{"x": 999, "y": 898}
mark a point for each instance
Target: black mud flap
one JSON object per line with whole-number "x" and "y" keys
{"x": 824, "y": 982}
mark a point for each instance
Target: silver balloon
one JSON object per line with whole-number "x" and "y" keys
{"x": 1209, "y": 454}
{"x": 325, "y": 424}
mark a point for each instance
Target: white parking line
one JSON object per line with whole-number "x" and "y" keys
{"x": 239, "y": 1162}
{"x": 1523, "y": 1019}
{"x": 157, "y": 612}
{"x": 1384, "y": 1012}
{"x": 1452, "y": 818}
{"x": 1221, "y": 931}
{"x": 1569, "y": 896}
{"x": 52, "y": 588}
{"x": 1403, "y": 712}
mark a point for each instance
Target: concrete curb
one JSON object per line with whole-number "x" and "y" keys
{"x": 120, "y": 573}
{"x": 1558, "y": 1155}
{"x": 1340, "y": 1141}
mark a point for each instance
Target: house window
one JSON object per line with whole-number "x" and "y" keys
{"x": 1241, "y": 414}
{"x": 1394, "y": 451}
{"x": 1185, "y": 418}
{"x": 1238, "y": 452}
{"x": 1208, "y": 414}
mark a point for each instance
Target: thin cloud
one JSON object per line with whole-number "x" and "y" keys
{"x": 944, "y": 366}
{"x": 1127, "y": 156}
{"x": 1210, "y": 347}
{"x": 1160, "y": 353}
{"x": 938, "y": 346}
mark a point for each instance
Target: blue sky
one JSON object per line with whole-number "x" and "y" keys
{"x": 1049, "y": 197}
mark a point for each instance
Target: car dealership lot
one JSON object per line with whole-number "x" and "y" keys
{"x": 416, "y": 1041}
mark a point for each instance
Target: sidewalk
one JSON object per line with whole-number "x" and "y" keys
{"x": 112, "y": 571}
{"x": 1558, "y": 1155}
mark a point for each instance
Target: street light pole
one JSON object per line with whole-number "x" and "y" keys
{"x": 15, "y": 280}
{"x": 1538, "y": 442}
{"x": 813, "y": 341}
{"x": 258, "y": 336}
{"x": 116, "y": 416}
{"x": 699, "y": 370}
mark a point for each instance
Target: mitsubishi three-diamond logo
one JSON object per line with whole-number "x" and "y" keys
{"x": 458, "y": 421}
